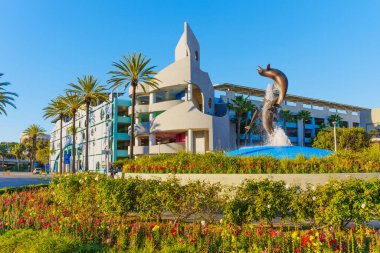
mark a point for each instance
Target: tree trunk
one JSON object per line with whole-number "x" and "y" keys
{"x": 246, "y": 132}
{"x": 73, "y": 145}
{"x": 131, "y": 143}
{"x": 60, "y": 168}
{"x": 34, "y": 144}
{"x": 238, "y": 131}
{"x": 87, "y": 128}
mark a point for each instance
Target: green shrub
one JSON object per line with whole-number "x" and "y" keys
{"x": 30, "y": 241}
{"x": 353, "y": 138}
{"x": 367, "y": 160}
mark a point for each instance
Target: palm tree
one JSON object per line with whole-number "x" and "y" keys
{"x": 6, "y": 97}
{"x": 57, "y": 110}
{"x": 287, "y": 116}
{"x": 250, "y": 108}
{"x": 72, "y": 103}
{"x": 18, "y": 150}
{"x": 241, "y": 106}
{"x": 33, "y": 132}
{"x": 91, "y": 93}
{"x": 304, "y": 116}
{"x": 133, "y": 71}
{"x": 4, "y": 151}
{"x": 335, "y": 118}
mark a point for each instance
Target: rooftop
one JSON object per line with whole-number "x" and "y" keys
{"x": 292, "y": 98}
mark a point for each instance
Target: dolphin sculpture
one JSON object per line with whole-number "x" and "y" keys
{"x": 280, "y": 81}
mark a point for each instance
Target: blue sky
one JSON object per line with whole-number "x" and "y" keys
{"x": 328, "y": 49}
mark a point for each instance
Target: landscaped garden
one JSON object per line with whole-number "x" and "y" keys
{"x": 348, "y": 161}
{"x": 90, "y": 213}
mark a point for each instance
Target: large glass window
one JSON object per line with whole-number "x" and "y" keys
{"x": 292, "y": 132}
{"x": 319, "y": 121}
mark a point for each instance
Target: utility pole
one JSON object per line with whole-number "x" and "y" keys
{"x": 335, "y": 144}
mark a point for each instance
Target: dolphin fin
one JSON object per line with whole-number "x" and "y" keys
{"x": 268, "y": 67}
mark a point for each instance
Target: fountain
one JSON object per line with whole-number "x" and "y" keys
{"x": 277, "y": 143}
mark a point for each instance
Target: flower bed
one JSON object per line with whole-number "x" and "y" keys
{"x": 126, "y": 214}
{"x": 366, "y": 161}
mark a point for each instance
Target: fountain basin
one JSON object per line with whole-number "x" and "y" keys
{"x": 280, "y": 152}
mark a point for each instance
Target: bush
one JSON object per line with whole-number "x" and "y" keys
{"x": 353, "y": 138}
{"x": 367, "y": 160}
{"x": 27, "y": 240}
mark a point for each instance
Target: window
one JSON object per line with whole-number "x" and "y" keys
{"x": 102, "y": 113}
{"x": 355, "y": 124}
{"x": 122, "y": 145}
{"x": 292, "y": 132}
{"x": 122, "y": 127}
{"x": 319, "y": 121}
{"x": 196, "y": 56}
{"x": 122, "y": 111}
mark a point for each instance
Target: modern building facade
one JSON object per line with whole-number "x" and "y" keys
{"x": 181, "y": 114}
{"x": 185, "y": 114}
{"x": 320, "y": 110}
{"x": 108, "y": 136}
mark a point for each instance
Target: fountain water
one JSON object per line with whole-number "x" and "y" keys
{"x": 277, "y": 143}
{"x": 278, "y": 137}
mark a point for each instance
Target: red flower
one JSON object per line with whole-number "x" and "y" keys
{"x": 298, "y": 249}
{"x": 272, "y": 233}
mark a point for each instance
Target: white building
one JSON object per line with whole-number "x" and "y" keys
{"x": 181, "y": 114}
{"x": 108, "y": 137}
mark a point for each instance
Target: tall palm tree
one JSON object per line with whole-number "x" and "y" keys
{"x": 4, "y": 151}
{"x": 6, "y": 97}
{"x": 18, "y": 150}
{"x": 133, "y": 71}
{"x": 91, "y": 93}
{"x": 335, "y": 118}
{"x": 72, "y": 103}
{"x": 304, "y": 116}
{"x": 250, "y": 108}
{"x": 33, "y": 132}
{"x": 57, "y": 110}
{"x": 287, "y": 116}
{"x": 241, "y": 106}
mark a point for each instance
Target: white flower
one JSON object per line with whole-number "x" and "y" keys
{"x": 221, "y": 221}
{"x": 85, "y": 178}
{"x": 287, "y": 186}
{"x": 363, "y": 205}
{"x": 97, "y": 178}
{"x": 203, "y": 223}
{"x": 314, "y": 198}
{"x": 81, "y": 181}
{"x": 268, "y": 205}
{"x": 313, "y": 188}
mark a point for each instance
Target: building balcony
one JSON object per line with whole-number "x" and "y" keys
{"x": 140, "y": 150}
{"x": 122, "y": 153}
{"x": 122, "y": 136}
{"x": 168, "y": 148}
{"x": 156, "y": 107}
{"x": 122, "y": 119}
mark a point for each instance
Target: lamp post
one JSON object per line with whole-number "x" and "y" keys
{"x": 159, "y": 144}
{"x": 335, "y": 144}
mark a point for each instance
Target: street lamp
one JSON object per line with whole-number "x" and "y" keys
{"x": 335, "y": 144}
{"x": 159, "y": 144}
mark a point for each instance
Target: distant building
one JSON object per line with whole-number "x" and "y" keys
{"x": 108, "y": 137}
{"x": 370, "y": 121}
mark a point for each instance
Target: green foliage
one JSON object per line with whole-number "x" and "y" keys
{"x": 353, "y": 138}
{"x": 367, "y": 160}
{"x": 22, "y": 188}
{"x": 29, "y": 241}
{"x": 266, "y": 199}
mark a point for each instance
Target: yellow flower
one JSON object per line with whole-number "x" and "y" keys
{"x": 294, "y": 235}
{"x": 155, "y": 228}
{"x": 233, "y": 238}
